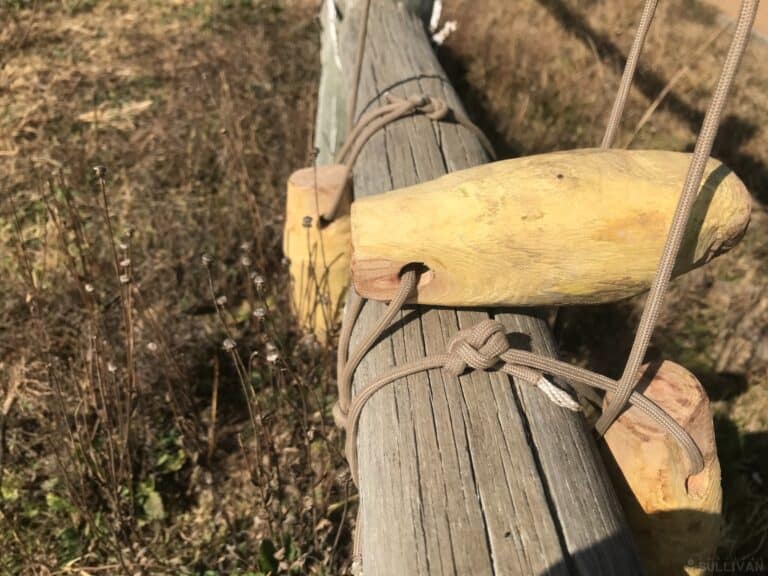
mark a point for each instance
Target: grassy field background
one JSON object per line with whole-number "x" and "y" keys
{"x": 159, "y": 411}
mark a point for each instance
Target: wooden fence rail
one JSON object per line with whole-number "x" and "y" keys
{"x": 474, "y": 475}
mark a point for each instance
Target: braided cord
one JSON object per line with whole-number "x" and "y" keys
{"x": 646, "y": 18}
{"x": 691, "y": 187}
{"x": 484, "y": 346}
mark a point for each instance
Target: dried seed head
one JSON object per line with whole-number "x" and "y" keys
{"x": 229, "y": 344}
{"x": 123, "y": 246}
{"x": 125, "y": 262}
{"x": 246, "y": 261}
{"x": 111, "y": 368}
{"x": 221, "y": 301}
{"x": 309, "y": 342}
{"x": 272, "y": 353}
{"x": 259, "y": 312}
{"x": 258, "y": 280}
{"x": 344, "y": 476}
{"x": 245, "y": 246}
{"x": 100, "y": 171}
{"x": 124, "y": 279}
{"x": 206, "y": 260}
{"x": 151, "y": 346}
{"x": 89, "y": 288}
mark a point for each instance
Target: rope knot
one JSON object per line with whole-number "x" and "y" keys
{"x": 433, "y": 108}
{"x": 478, "y": 348}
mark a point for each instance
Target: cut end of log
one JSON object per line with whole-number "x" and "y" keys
{"x": 675, "y": 518}
{"x": 318, "y": 252}
{"x": 380, "y": 279}
{"x": 320, "y": 185}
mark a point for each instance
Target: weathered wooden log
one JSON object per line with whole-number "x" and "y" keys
{"x": 318, "y": 254}
{"x": 675, "y": 519}
{"x": 479, "y": 474}
{"x": 575, "y": 227}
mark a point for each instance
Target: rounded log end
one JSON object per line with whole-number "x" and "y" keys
{"x": 675, "y": 518}
{"x": 379, "y": 279}
{"x": 318, "y": 253}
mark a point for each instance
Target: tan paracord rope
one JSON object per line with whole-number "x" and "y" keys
{"x": 396, "y": 108}
{"x": 614, "y": 121}
{"x": 482, "y": 347}
{"x": 485, "y": 345}
{"x": 680, "y": 220}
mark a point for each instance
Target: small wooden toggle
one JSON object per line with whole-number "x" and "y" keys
{"x": 675, "y": 519}
{"x": 574, "y": 227}
{"x": 318, "y": 252}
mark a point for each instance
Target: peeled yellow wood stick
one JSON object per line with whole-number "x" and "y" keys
{"x": 675, "y": 520}
{"x": 582, "y": 226}
{"x": 318, "y": 254}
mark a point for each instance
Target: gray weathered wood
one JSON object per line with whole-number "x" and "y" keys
{"x": 477, "y": 475}
{"x": 331, "y": 120}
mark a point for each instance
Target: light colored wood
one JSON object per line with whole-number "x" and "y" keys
{"x": 478, "y": 475}
{"x": 576, "y": 227}
{"x": 318, "y": 255}
{"x": 675, "y": 519}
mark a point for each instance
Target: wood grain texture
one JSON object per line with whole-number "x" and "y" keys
{"x": 318, "y": 254}
{"x": 675, "y": 518}
{"x": 583, "y": 226}
{"x": 476, "y": 475}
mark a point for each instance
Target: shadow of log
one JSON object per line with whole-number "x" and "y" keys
{"x": 734, "y": 131}
{"x": 476, "y": 102}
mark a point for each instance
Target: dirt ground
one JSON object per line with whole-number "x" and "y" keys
{"x": 143, "y": 151}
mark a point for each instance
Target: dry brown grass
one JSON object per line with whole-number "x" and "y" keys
{"x": 179, "y": 423}
{"x": 135, "y": 138}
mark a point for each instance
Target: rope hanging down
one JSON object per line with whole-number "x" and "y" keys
{"x": 691, "y": 187}
{"x": 485, "y": 347}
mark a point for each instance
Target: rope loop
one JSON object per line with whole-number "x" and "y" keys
{"x": 339, "y": 416}
{"x": 396, "y": 108}
{"x": 484, "y": 346}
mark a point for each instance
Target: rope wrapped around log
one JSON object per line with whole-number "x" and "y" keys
{"x": 484, "y": 346}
